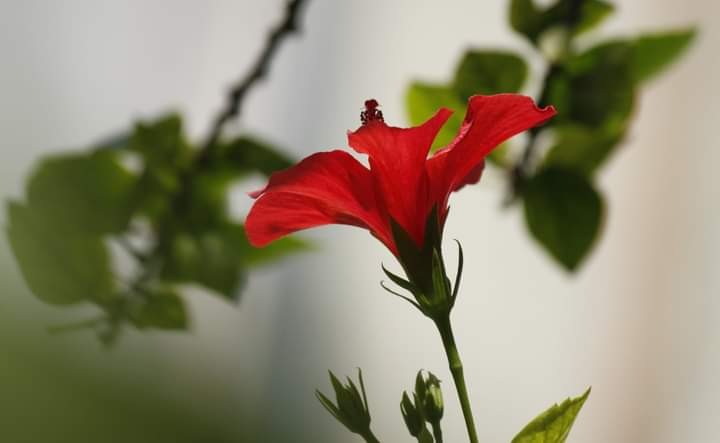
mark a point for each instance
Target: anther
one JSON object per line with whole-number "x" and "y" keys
{"x": 371, "y": 112}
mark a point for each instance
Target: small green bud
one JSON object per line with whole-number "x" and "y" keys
{"x": 430, "y": 397}
{"x": 412, "y": 417}
{"x": 433, "y": 404}
{"x": 351, "y": 409}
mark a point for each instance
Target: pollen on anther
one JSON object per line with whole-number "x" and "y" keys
{"x": 371, "y": 112}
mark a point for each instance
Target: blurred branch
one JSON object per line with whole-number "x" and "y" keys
{"x": 238, "y": 92}
{"x": 232, "y": 109}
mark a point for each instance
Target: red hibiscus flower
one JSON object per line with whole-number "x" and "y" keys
{"x": 402, "y": 187}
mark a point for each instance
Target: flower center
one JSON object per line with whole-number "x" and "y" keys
{"x": 371, "y": 112}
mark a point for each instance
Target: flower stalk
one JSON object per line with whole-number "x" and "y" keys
{"x": 456, "y": 369}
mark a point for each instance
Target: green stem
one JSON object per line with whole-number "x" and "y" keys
{"x": 437, "y": 432}
{"x": 456, "y": 368}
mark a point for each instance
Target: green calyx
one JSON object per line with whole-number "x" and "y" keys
{"x": 427, "y": 281}
{"x": 352, "y": 407}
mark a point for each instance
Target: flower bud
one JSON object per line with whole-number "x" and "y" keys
{"x": 413, "y": 419}
{"x": 351, "y": 409}
{"x": 433, "y": 402}
{"x": 429, "y": 395}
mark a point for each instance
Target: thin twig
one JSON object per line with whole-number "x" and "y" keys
{"x": 238, "y": 92}
{"x": 231, "y": 110}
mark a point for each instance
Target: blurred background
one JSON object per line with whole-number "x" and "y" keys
{"x": 639, "y": 322}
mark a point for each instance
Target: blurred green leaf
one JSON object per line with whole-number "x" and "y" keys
{"x": 489, "y": 72}
{"x": 424, "y": 100}
{"x": 655, "y": 52}
{"x": 553, "y": 425}
{"x": 217, "y": 257}
{"x": 91, "y": 192}
{"x": 528, "y": 19}
{"x": 580, "y": 148}
{"x": 252, "y": 256}
{"x": 525, "y": 18}
{"x": 161, "y": 143}
{"x": 595, "y": 88}
{"x": 564, "y": 213}
{"x": 162, "y": 309}
{"x": 208, "y": 199}
{"x": 165, "y": 156}
{"x": 593, "y": 13}
{"x": 60, "y": 267}
{"x": 208, "y": 258}
{"x": 247, "y": 154}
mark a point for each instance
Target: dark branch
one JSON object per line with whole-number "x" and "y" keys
{"x": 232, "y": 109}
{"x": 237, "y": 94}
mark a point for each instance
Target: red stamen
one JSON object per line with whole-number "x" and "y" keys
{"x": 371, "y": 112}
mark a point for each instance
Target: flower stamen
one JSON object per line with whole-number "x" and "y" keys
{"x": 371, "y": 112}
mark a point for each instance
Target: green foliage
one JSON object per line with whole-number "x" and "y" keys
{"x": 579, "y": 148}
{"x": 553, "y": 425}
{"x": 60, "y": 266}
{"x": 161, "y": 309}
{"x": 209, "y": 258}
{"x": 79, "y": 203}
{"x": 246, "y": 154}
{"x": 253, "y": 256}
{"x": 594, "y": 92}
{"x": 564, "y": 213}
{"x": 595, "y": 88}
{"x": 489, "y": 72}
{"x": 655, "y": 52}
{"x": 479, "y": 72}
{"x": 531, "y": 21}
{"x": 161, "y": 143}
{"x": 89, "y": 193}
{"x": 423, "y": 100}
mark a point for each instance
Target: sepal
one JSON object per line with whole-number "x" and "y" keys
{"x": 352, "y": 407}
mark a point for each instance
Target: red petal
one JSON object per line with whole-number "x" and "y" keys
{"x": 490, "y": 120}
{"x": 324, "y": 188}
{"x": 397, "y": 161}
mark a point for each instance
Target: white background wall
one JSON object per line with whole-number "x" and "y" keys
{"x": 639, "y": 322}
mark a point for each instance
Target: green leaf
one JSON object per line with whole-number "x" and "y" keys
{"x": 528, "y": 19}
{"x": 277, "y": 250}
{"x": 247, "y": 154}
{"x": 207, "y": 258}
{"x": 424, "y": 100}
{"x": 92, "y": 192}
{"x": 564, "y": 213}
{"x": 163, "y": 309}
{"x": 525, "y": 18}
{"x": 553, "y": 425}
{"x": 59, "y": 266}
{"x": 580, "y": 148}
{"x": 217, "y": 257}
{"x": 593, "y": 13}
{"x": 595, "y": 88}
{"x": 161, "y": 143}
{"x": 655, "y": 52}
{"x": 489, "y": 72}
{"x": 208, "y": 199}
